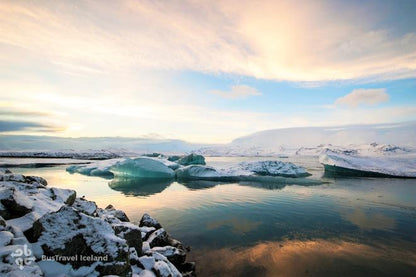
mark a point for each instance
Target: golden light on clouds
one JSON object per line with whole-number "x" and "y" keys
{"x": 280, "y": 40}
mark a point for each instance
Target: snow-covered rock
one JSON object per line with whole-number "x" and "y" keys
{"x": 53, "y": 225}
{"x": 349, "y": 163}
{"x": 83, "y": 235}
{"x": 148, "y": 221}
{"x": 110, "y": 213}
{"x": 17, "y": 256}
{"x": 175, "y": 255}
{"x": 85, "y": 206}
{"x": 25, "y": 201}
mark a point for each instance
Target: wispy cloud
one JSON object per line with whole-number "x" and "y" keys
{"x": 238, "y": 37}
{"x": 14, "y": 126}
{"x": 237, "y": 92}
{"x": 363, "y": 96}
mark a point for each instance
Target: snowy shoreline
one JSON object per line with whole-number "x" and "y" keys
{"x": 40, "y": 223}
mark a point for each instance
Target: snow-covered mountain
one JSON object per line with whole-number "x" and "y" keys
{"x": 398, "y": 134}
{"x": 312, "y": 140}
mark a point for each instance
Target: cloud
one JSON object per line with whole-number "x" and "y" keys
{"x": 237, "y": 92}
{"x": 363, "y": 96}
{"x": 13, "y": 126}
{"x": 237, "y": 37}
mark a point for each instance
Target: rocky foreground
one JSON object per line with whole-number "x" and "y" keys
{"x": 50, "y": 232}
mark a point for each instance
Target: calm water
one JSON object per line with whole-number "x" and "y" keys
{"x": 343, "y": 227}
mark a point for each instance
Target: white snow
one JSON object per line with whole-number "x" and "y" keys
{"x": 35, "y": 197}
{"x": 98, "y": 234}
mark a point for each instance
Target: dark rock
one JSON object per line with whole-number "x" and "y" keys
{"x": 11, "y": 200}
{"x": 175, "y": 256}
{"x": 2, "y": 222}
{"x": 187, "y": 269}
{"x": 111, "y": 212}
{"x": 131, "y": 233}
{"x": 85, "y": 206}
{"x": 146, "y": 231}
{"x": 71, "y": 199}
{"x": 158, "y": 238}
{"x": 35, "y": 179}
{"x": 149, "y": 221}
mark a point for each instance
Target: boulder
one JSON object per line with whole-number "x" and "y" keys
{"x": 36, "y": 179}
{"x": 158, "y": 264}
{"x": 149, "y": 221}
{"x": 175, "y": 255}
{"x": 131, "y": 233}
{"x": 158, "y": 238}
{"x": 13, "y": 203}
{"x": 119, "y": 214}
{"x": 84, "y": 235}
{"x": 146, "y": 231}
{"x": 68, "y": 196}
{"x": 85, "y": 206}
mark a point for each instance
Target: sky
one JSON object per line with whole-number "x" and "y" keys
{"x": 203, "y": 71}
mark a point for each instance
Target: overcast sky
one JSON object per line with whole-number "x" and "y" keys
{"x": 203, "y": 71}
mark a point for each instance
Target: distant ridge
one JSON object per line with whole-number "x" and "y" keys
{"x": 394, "y": 133}
{"x": 115, "y": 144}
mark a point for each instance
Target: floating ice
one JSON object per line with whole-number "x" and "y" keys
{"x": 97, "y": 168}
{"x": 142, "y": 168}
{"x": 350, "y": 164}
{"x": 275, "y": 168}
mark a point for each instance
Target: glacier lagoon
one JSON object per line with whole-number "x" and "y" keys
{"x": 344, "y": 226}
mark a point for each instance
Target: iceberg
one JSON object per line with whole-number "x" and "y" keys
{"x": 143, "y": 167}
{"x": 200, "y": 172}
{"x": 261, "y": 171}
{"x": 97, "y": 168}
{"x": 275, "y": 168}
{"x": 191, "y": 159}
{"x": 349, "y": 164}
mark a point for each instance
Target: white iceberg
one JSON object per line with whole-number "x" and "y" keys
{"x": 242, "y": 171}
{"x": 348, "y": 163}
{"x": 274, "y": 168}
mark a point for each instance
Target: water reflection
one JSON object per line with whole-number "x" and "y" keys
{"x": 308, "y": 258}
{"x": 238, "y": 225}
{"x": 139, "y": 186}
{"x": 369, "y": 220}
